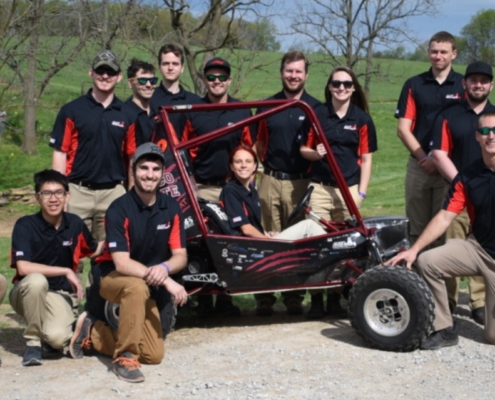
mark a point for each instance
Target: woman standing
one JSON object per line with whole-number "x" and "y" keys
{"x": 351, "y": 134}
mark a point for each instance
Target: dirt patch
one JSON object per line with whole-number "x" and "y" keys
{"x": 8, "y": 218}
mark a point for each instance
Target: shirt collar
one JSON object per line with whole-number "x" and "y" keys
{"x": 116, "y": 103}
{"x": 46, "y": 226}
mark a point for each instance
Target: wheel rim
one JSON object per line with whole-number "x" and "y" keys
{"x": 112, "y": 314}
{"x": 387, "y": 312}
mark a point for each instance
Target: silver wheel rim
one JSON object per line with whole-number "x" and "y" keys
{"x": 386, "y": 312}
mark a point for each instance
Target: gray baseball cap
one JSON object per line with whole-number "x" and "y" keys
{"x": 146, "y": 149}
{"x": 108, "y": 58}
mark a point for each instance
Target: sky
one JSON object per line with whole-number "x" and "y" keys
{"x": 453, "y": 16}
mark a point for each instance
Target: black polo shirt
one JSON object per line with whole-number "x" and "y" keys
{"x": 282, "y": 134}
{"x": 37, "y": 241}
{"x": 211, "y": 160}
{"x": 148, "y": 234}
{"x": 143, "y": 124}
{"x": 241, "y": 205}
{"x": 455, "y": 132}
{"x": 162, "y": 97}
{"x": 349, "y": 137}
{"x": 474, "y": 188}
{"x": 95, "y": 140}
{"x": 423, "y": 98}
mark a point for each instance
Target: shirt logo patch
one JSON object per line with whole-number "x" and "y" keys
{"x": 455, "y": 96}
{"x": 19, "y": 253}
{"x": 120, "y": 124}
{"x": 236, "y": 219}
{"x": 351, "y": 127}
{"x": 52, "y": 140}
{"x": 302, "y": 118}
{"x": 162, "y": 227}
{"x": 230, "y": 123}
{"x": 112, "y": 244}
{"x": 67, "y": 243}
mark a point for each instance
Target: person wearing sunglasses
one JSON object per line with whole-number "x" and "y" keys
{"x": 210, "y": 160}
{"x": 46, "y": 248}
{"x": 454, "y": 147}
{"x": 90, "y": 141}
{"x": 472, "y": 188}
{"x": 351, "y": 134}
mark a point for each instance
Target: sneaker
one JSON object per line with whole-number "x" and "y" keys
{"x": 32, "y": 356}
{"x": 478, "y": 315}
{"x": 264, "y": 308}
{"x": 334, "y": 308}
{"x": 81, "y": 339}
{"x": 317, "y": 308}
{"x": 127, "y": 368}
{"x": 50, "y": 352}
{"x": 442, "y": 338}
{"x": 226, "y": 308}
{"x": 294, "y": 306}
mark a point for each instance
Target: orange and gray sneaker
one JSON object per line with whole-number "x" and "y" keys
{"x": 127, "y": 368}
{"x": 81, "y": 339}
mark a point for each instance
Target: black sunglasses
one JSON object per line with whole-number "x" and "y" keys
{"x": 144, "y": 81}
{"x": 486, "y": 130}
{"x": 221, "y": 78}
{"x": 336, "y": 84}
{"x": 105, "y": 70}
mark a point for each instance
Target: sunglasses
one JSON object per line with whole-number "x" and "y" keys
{"x": 486, "y": 130}
{"x": 221, "y": 78}
{"x": 336, "y": 84}
{"x": 105, "y": 70}
{"x": 144, "y": 81}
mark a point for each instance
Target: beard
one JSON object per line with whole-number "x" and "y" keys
{"x": 293, "y": 90}
{"x": 480, "y": 98}
{"x": 148, "y": 189}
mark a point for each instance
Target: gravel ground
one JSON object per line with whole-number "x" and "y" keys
{"x": 263, "y": 358}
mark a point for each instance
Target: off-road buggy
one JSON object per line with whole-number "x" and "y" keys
{"x": 391, "y": 308}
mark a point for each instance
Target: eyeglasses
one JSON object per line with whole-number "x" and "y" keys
{"x": 221, "y": 78}
{"x": 336, "y": 84}
{"x": 486, "y": 130}
{"x": 46, "y": 194}
{"x": 106, "y": 70}
{"x": 144, "y": 81}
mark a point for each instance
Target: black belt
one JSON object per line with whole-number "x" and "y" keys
{"x": 96, "y": 185}
{"x": 284, "y": 176}
{"x": 334, "y": 185}
{"x": 218, "y": 182}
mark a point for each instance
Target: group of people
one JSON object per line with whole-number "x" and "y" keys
{"x": 101, "y": 199}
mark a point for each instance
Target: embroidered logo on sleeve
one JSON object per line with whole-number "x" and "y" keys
{"x": 19, "y": 253}
{"x": 162, "y": 227}
{"x": 237, "y": 219}
{"x": 112, "y": 244}
{"x": 52, "y": 140}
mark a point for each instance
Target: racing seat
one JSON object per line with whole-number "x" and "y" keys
{"x": 218, "y": 221}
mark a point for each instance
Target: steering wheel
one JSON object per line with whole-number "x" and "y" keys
{"x": 303, "y": 203}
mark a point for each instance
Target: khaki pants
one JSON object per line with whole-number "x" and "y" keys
{"x": 328, "y": 202}
{"x": 49, "y": 314}
{"x": 458, "y": 258}
{"x": 301, "y": 230}
{"x": 209, "y": 193}
{"x": 140, "y": 331}
{"x": 3, "y": 287}
{"x": 425, "y": 195}
{"x": 278, "y": 198}
{"x": 459, "y": 230}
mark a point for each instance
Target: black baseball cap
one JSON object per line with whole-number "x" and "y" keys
{"x": 146, "y": 149}
{"x": 479, "y": 67}
{"x": 107, "y": 58}
{"x": 217, "y": 62}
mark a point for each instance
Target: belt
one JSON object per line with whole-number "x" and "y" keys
{"x": 213, "y": 182}
{"x": 324, "y": 183}
{"x": 284, "y": 176}
{"x": 96, "y": 185}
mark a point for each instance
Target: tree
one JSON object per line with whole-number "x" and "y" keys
{"x": 352, "y": 28}
{"x": 480, "y": 37}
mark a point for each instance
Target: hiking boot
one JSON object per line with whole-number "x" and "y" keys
{"x": 478, "y": 315}
{"x": 81, "y": 339}
{"x": 293, "y": 306}
{"x": 317, "y": 308}
{"x": 226, "y": 308}
{"x": 205, "y": 307}
{"x": 32, "y": 356}
{"x": 264, "y": 307}
{"x": 442, "y": 338}
{"x": 334, "y": 308}
{"x": 127, "y": 368}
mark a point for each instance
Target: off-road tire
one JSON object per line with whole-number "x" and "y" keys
{"x": 384, "y": 292}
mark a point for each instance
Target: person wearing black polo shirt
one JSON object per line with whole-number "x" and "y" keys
{"x": 91, "y": 145}
{"x": 284, "y": 178}
{"x": 472, "y": 188}
{"x": 145, "y": 245}
{"x": 422, "y": 98}
{"x": 351, "y": 133}
{"x": 170, "y": 92}
{"x": 45, "y": 251}
{"x": 3, "y": 291}
{"x": 454, "y": 148}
